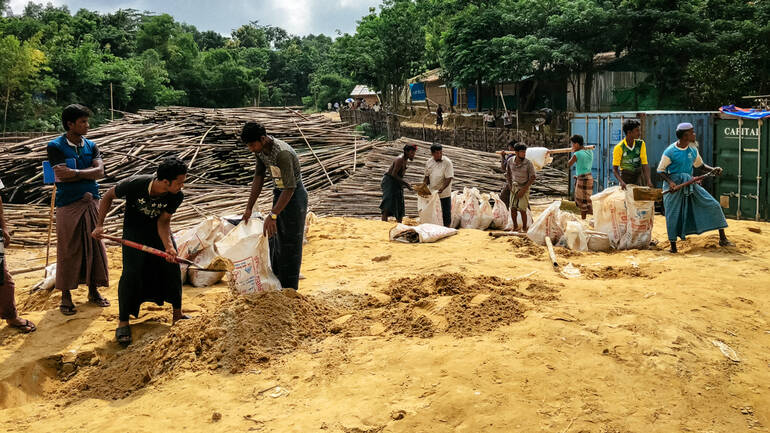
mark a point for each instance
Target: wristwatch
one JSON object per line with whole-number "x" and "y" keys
{"x": 273, "y": 216}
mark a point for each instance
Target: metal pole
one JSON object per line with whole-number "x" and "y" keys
{"x": 601, "y": 150}
{"x": 759, "y": 164}
{"x": 740, "y": 159}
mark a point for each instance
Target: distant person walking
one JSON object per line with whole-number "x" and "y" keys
{"x": 439, "y": 116}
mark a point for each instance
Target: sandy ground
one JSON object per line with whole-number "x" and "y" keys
{"x": 469, "y": 334}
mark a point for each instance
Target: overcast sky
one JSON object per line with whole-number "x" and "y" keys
{"x": 299, "y": 17}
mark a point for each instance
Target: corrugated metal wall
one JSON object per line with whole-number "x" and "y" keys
{"x": 605, "y": 130}
{"x": 605, "y": 82}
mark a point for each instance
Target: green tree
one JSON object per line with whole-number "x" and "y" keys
{"x": 155, "y": 34}
{"x": 20, "y": 63}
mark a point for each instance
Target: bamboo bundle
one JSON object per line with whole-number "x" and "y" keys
{"x": 360, "y": 194}
{"x": 221, "y": 167}
{"x": 208, "y": 139}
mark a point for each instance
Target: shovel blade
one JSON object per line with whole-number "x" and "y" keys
{"x": 648, "y": 194}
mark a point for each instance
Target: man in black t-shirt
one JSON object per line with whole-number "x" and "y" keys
{"x": 150, "y": 202}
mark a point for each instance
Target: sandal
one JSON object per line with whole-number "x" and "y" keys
{"x": 182, "y": 317}
{"x": 24, "y": 328}
{"x": 725, "y": 243}
{"x": 123, "y": 335}
{"x": 67, "y": 310}
{"x": 100, "y": 302}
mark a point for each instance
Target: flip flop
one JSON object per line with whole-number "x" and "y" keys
{"x": 726, "y": 243}
{"x": 182, "y": 317}
{"x": 67, "y": 310}
{"x": 123, "y": 335}
{"x": 25, "y": 328}
{"x": 101, "y": 302}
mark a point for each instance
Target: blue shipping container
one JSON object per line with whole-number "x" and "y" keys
{"x": 605, "y": 130}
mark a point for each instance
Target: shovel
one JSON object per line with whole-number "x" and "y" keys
{"x": 656, "y": 194}
{"x": 159, "y": 253}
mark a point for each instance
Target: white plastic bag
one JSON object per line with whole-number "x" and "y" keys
{"x": 423, "y": 233}
{"x": 628, "y": 223}
{"x": 203, "y": 278}
{"x": 610, "y": 214}
{"x": 310, "y": 219}
{"x": 249, "y": 252}
{"x": 577, "y": 239}
{"x": 251, "y": 266}
{"x": 539, "y": 157}
{"x": 639, "y": 218}
{"x": 430, "y": 209}
{"x": 470, "y": 216}
{"x": 500, "y": 214}
{"x": 547, "y": 225}
{"x": 49, "y": 282}
{"x": 192, "y": 241}
{"x": 457, "y": 209}
{"x": 485, "y": 213}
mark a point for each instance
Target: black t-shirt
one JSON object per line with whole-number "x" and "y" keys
{"x": 143, "y": 210}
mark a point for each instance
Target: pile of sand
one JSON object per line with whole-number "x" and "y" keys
{"x": 240, "y": 332}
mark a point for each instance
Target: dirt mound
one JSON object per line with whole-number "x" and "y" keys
{"x": 525, "y": 248}
{"x": 613, "y": 272}
{"x": 40, "y": 300}
{"x": 710, "y": 243}
{"x": 412, "y": 289}
{"x": 455, "y": 304}
{"x": 239, "y": 333}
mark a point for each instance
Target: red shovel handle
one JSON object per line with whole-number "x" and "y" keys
{"x": 146, "y": 249}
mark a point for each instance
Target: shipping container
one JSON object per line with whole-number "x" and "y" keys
{"x": 741, "y": 149}
{"x": 605, "y": 130}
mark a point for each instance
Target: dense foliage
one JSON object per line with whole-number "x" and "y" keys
{"x": 699, "y": 54}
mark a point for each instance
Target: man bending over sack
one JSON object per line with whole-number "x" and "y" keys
{"x": 689, "y": 209}
{"x": 393, "y": 185}
{"x": 150, "y": 202}
{"x": 520, "y": 174}
{"x": 285, "y": 225}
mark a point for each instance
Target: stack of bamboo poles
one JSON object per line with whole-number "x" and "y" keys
{"x": 221, "y": 167}
{"x": 360, "y": 194}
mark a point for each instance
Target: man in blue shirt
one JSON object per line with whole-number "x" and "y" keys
{"x": 77, "y": 163}
{"x": 689, "y": 209}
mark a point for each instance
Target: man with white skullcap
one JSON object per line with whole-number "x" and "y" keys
{"x": 689, "y": 209}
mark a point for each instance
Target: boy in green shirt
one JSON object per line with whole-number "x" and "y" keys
{"x": 629, "y": 163}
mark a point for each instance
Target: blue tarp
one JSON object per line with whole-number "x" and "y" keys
{"x": 746, "y": 113}
{"x": 471, "y": 99}
{"x": 418, "y": 91}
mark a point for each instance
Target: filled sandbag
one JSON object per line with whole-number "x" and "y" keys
{"x": 485, "y": 213}
{"x": 423, "y": 233}
{"x": 249, "y": 252}
{"x": 204, "y": 278}
{"x": 429, "y": 209}
{"x": 470, "y": 216}
{"x": 457, "y": 209}
{"x": 539, "y": 157}
{"x": 500, "y": 213}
